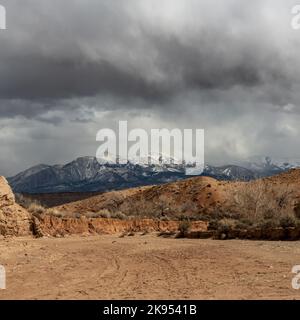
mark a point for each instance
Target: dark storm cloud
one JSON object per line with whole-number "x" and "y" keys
{"x": 70, "y": 67}
{"x": 66, "y": 49}
{"x": 42, "y": 78}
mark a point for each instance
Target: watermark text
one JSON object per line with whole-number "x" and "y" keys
{"x": 2, "y": 18}
{"x": 296, "y": 278}
{"x": 185, "y": 147}
{"x": 295, "y": 22}
{"x": 2, "y": 278}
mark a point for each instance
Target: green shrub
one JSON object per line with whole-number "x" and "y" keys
{"x": 104, "y": 213}
{"x": 36, "y": 209}
{"x": 225, "y": 225}
{"x": 268, "y": 224}
{"x": 184, "y": 227}
{"x": 164, "y": 218}
{"x": 288, "y": 221}
{"x": 54, "y": 212}
{"x": 118, "y": 215}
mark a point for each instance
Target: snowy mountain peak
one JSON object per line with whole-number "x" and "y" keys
{"x": 92, "y": 174}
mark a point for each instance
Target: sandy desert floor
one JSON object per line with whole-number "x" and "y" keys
{"x": 147, "y": 267}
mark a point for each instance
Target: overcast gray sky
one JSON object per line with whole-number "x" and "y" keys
{"x": 71, "y": 67}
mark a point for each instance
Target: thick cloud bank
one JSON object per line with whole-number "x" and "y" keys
{"x": 71, "y": 67}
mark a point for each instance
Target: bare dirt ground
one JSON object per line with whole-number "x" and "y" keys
{"x": 147, "y": 267}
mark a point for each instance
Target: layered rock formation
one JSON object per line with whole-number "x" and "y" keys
{"x": 14, "y": 220}
{"x": 53, "y": 226}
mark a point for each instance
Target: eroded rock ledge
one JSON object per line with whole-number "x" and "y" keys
{"x": 14, "y": 220}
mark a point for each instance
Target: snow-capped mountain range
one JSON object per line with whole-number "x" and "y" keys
{"x": 87, "y": 174}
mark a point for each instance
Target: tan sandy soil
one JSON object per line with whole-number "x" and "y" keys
{"x": 147, "y": 267}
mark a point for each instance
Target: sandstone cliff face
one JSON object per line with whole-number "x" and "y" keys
{"x": 14, "y": 220}
{"x": 53, "y": 226}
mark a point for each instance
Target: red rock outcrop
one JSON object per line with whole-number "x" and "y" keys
{"x": 53, "y": 226}
{"x": 14, "y": 220}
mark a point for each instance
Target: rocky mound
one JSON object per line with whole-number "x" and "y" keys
{"x": 14, "y": 220}
{"x": 186, "y": 197}
{"x": 199, "y": 197}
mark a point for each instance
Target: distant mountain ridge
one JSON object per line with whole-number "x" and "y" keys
{"x": 87, "y": 174}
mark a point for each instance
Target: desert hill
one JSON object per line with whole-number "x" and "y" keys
{"x": 199, "y": 197}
